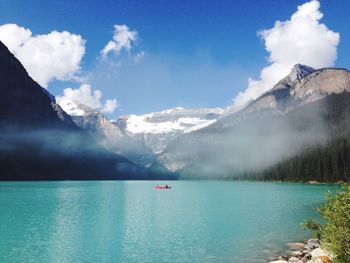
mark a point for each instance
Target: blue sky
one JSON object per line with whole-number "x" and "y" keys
{"x": 197, "y": 53}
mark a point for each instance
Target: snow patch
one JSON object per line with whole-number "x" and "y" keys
{"x": 169, "y": 121}
{"x": 71, "y": 108}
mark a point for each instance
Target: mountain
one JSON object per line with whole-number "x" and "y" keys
{"x": 139, "y": 138}
{"x": 325, "y": 162}
{"x": 90, "y": 120}
{"x": 297, "y": 113}
{"x": 157, "y": 129}
{"x": 301, "y": 86}
{"x": 108, "y": 134}
{"x": 41, "y": 141}
{"x": 22, "y": 100}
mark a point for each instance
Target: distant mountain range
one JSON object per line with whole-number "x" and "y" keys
{"x": 296, "y": 114}
{"x": 149, "y": 133}
{"x": 298, "y": 130}
{"x": 157, "y": 129}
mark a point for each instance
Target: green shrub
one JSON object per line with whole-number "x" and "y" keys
{"x": 334, "y": 233}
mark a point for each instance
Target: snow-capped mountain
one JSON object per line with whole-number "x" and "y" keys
{"x": 108, "y": 134}
{"x": 74, "y": 108}
{"x": 139, "y": 137}
{"x": 199, "y": 141}
{"x": 91, "y": 120}
{"x": 158, "y": 128}
{"x": 169, "y": 121}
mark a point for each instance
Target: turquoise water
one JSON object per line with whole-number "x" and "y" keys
{"x": 129, "y": 221}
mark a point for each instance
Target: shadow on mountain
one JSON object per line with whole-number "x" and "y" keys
{"x": 39, "y": 141}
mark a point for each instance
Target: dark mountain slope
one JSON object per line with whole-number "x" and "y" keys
{"x": 38, "y": 140}
{"x": 23, "y": 102}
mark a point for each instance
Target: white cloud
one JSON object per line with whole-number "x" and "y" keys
{"x": 56, "y": 55}
{"x": 110, "y": 106}
{"x": 302, "y": 39}
{"x": 123, "y": 38}
{"x": 91, "y": 98}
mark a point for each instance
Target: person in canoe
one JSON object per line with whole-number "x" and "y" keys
{"x": 162, "y": 187}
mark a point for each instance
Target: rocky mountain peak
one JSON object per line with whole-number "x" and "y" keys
{"x": 302, "y": 85}
{"x": 76, "y": 108}
{"x": 299, "y": 71}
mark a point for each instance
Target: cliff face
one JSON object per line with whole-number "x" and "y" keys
{"x": 301, "y": 88}
{"x": 321, "y": 83}
{"x": 23, "y": 102}
{"x": 91, "y": 120}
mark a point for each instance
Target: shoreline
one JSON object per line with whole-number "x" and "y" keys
{"x": 309, "y": 251}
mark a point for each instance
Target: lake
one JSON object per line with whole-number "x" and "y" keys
{"x": 129, "y": 221}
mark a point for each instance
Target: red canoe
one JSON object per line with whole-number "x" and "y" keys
{"x": 158, "y": 187}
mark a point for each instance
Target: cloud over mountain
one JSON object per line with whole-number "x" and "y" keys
{"x": 301, "y": 39}
{"x": 56, "y": 55}
{"x": 85, "y": 95}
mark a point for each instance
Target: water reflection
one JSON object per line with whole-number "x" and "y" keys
{"x": 131, "y": 222}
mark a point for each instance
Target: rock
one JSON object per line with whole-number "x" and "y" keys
{"x": 313, "y": 243}
{"x": 294, "y": 260}
{"x": 325, "y": 259}
{"x": 295, "y": 246}
{"x": 317, "y": 253}
{"x": 320, "y": 256}
{"x": 307, "y": 255}
{"x": 296, "y": 253}
{"x": 316, "y": 261}
{"x": 309, "y": 247}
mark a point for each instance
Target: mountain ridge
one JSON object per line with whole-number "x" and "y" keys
{"x": 278, "y": 111}
{"x": 32, "y": 106}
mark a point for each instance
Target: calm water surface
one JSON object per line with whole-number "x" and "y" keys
{"x": 126, "y": 221}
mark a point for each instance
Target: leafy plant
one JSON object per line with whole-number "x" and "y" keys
{"x": 334, "y": 233}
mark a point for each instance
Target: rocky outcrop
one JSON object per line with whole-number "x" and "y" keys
{"x": 321, "y": 83}
{"x": 310, "y": 252}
